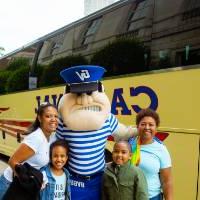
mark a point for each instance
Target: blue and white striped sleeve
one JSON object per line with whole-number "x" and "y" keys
{"x": 113, "y": 123}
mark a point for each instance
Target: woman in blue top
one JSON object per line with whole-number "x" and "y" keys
{"x": 152, "y": 156}
{"x": 56, "y": 178}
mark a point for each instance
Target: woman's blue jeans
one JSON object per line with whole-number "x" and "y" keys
{"x": 4, "y": 185}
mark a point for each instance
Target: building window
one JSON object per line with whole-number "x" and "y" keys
{"x": 164, "y": 59}
{"x": 137, "y": 14}
{"x": 92, "y": 28}
{"x": 130, "y": 21}
{"x": 56, "y": 43}
{"x": 192, "y": 58}
{"x": 191, "y": 14}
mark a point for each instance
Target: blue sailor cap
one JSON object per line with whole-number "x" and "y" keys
{"x": 83, "y": 78}
{"x": 82, "y": 74}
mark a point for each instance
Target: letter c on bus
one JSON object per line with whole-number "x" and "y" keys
{"x": 149, "y": 92}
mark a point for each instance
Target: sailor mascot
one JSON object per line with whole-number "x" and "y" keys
{"x": 86, "y": 122}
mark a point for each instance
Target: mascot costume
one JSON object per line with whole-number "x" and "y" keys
{"x": 86, "y": 122}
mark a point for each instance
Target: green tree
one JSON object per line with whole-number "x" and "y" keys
{"x": 4, "y": 75}
{"x": 51, "y": 73}
{"x": 122, "y": 56}
{"x": 17, "y": 63}
{"x": 18, "y": 80}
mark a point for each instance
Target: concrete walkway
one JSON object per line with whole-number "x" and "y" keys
{"x": 3, "y": 165}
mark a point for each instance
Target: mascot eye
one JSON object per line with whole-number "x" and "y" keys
{"x": 89, "y": 93}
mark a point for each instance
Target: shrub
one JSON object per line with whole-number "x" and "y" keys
{"x": 51, "y": 73}
{"x": 38, "y": 72}
{"x": 17, "y": 63}
{"x": 4, "y": 75}
{"x": 121, "y": 57}
{"x": 18, "y": 80}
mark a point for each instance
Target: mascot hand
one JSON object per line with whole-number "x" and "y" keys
{"x": 124, "y": 132}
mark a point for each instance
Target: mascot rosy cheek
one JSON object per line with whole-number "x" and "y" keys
{"x": 86, "y": 122}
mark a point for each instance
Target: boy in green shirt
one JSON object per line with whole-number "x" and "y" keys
{"x": 121, "y": 180}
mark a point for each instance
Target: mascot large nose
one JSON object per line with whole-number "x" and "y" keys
{"x": 84, "y": 99}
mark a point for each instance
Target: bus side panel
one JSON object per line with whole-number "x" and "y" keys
{"x": 198, "y": 192}
{"x": 17, "y": 112}
{"x": 22, "y": 105}
{"x": 174, "y": 94}
{"x": 177, "y": 93}
{"x": 184, "y": 151}
{"x": 178, "y": 105}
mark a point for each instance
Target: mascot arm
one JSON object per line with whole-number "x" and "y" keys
{"x": 124, "y": 132}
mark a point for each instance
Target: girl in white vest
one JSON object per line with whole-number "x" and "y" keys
{"x": 57, "y": 182}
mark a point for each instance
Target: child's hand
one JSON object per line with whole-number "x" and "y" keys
{"x": 43, "y": 185}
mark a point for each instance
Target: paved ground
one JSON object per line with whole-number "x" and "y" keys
{"x": 3, "y": 165}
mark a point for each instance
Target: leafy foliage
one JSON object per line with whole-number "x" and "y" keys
{"x": 18, "y": 80}
{"x": 51, "y": 73}
{"x": 121, "y": 57}
{"x": 17, "y": 63}
{"x": 38, "y": 72}
{"x": 4, "y": 75}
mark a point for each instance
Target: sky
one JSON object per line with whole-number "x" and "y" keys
{"x": 23, "y": 21}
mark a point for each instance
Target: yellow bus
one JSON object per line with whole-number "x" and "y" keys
{"x": 174, "y": 93}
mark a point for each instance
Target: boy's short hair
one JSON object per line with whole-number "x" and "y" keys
{"x": 125, "y": 142}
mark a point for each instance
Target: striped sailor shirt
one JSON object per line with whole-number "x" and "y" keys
{"x": 86, "y": 148}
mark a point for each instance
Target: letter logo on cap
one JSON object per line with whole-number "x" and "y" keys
{"x": 83, "y": 74}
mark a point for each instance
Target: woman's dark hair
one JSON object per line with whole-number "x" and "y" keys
{"x": 40, "y": 112}
{"x": 148, "y": 113}
{"x": 60, "y": 142}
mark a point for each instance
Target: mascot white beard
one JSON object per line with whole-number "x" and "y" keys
{"x": 84, "y": 112}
